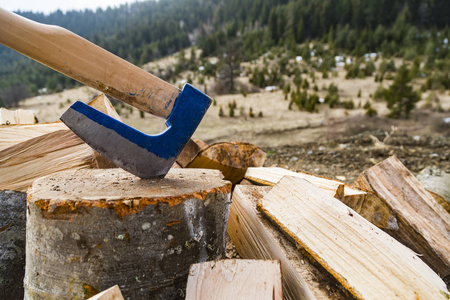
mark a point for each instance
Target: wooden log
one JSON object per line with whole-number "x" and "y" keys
{"x": 113, "y": 293}
{"x": 54, "y": 152}
{"x": 256, "y": 238}
{"x": 367, "y": 261}
{"x": 52, "y": 148}
{"x": 12, "y": 243}
{"x": 245, "y": 279}
{"x": 424, "y": 225}
{"x": 232, "y": 159}
{"x": 90, "y": 229}
{"x": 20, "y": 116}
{"x": 189, "y": 153}
{"x": 14, "y": 134}
{"x": 366, "y": 204}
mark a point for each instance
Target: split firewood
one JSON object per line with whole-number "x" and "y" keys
{"x": 365, "y": 260}
{"x": 232, "y": 159}
{"x": 256, "y": 238}
{"x": 20, "y": 116}
{"x": 245, "y": 279}
{"x": 52, "y": 148}
{"x": 189, "y": 152}
{"x": 424, "y": 225}
{"x": 15, "y": 134}
{"x": 366, "y": 204}
{"x": 113, "y": 293}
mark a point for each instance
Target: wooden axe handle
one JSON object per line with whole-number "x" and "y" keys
{"x": 85, "y": 62}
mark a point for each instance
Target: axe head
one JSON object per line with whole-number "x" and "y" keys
{"x": 146, "y": 156}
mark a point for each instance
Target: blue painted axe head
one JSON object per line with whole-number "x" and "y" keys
{"x": 146, "y": 156}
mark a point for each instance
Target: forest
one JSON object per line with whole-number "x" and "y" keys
{"x": 145, "y": 31}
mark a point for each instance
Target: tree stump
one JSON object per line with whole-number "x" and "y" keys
{"x": 88, "y": 230}
{"x": 13, "y": 207}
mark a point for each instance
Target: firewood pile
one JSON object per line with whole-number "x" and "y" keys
{"x": 297, "y": 235}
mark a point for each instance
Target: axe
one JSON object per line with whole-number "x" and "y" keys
{"x": 146, "y": 156}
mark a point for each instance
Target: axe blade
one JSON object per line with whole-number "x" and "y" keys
{"x": 146, "y": 156}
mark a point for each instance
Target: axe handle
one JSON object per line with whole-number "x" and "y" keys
{"x": 87, "y": 63}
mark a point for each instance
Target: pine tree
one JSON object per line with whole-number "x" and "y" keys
{"x": 400, "y": 96}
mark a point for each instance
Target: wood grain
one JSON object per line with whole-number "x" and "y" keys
{"x": 256, "y": 238}
{"x": 367, "y": 261}
{"x": 232, "y": 158}
{"x": 245, "y": 279}
{"x": 424, "y": 224}
{"x": 368, "y": 205}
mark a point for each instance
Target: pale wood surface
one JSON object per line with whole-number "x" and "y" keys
{"x": 46, "y": 154}
{"x": 11, "y": 135}
{"x": 188, "y": 153}
{"x": 81, "y": 60}
{"x": 113, "y": 293}
{"x": 424, "y": 223}
{"x": 20, "y": 116}
{"x": 245, "y": 279}
{"x": 232, "y": 158}
{"x": 256, "y": 238}
{"x": 28, "y": 152}
{"x": 366, "y": 204}
{"x": 90, "y": 229}
{"x": 367, "y": 261}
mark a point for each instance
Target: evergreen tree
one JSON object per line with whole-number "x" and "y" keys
{"x": 400, "y": 96}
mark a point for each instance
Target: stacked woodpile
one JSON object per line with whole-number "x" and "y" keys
{"x": 297, "y": 235}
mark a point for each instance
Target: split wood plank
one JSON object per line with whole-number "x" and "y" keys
{"x": 11, "y": 135}
{"x": 245, "y": 279}
{"x": 365, "y": 260}
{"x": 46, "y": 153}
{"x": 43, "y": 155}
{"x": 256, "y": 238}
{"x": 15, "y": 134}
{"x": 366, "y": 204}
{"x": 20, "y": 116}
{"x": 424, "y": 225}
{"x": 232, "y": 158}
{"x": 113, "y": 293}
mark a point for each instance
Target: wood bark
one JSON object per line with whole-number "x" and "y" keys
{"x": 113, "y": 293}
{"x": 365, "y": 260}
{"x": 90, "y": 229}
{"x": 245, "y": 279}
{"x": 256, "y": 238}
{"x": 424, "y": 225}
{"x": 366, "y": 204}
{"x": 232, "y": 159}
{"x": 12, "y": 243}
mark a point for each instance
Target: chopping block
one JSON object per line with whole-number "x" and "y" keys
{"x": 88, "y": 230}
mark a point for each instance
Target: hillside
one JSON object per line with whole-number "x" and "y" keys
{"x": 145, "y": 31}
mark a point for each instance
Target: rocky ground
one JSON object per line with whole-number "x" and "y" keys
{"x": 346, "y": 157}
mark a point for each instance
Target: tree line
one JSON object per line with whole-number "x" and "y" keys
{"x": 144, "y": 31}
